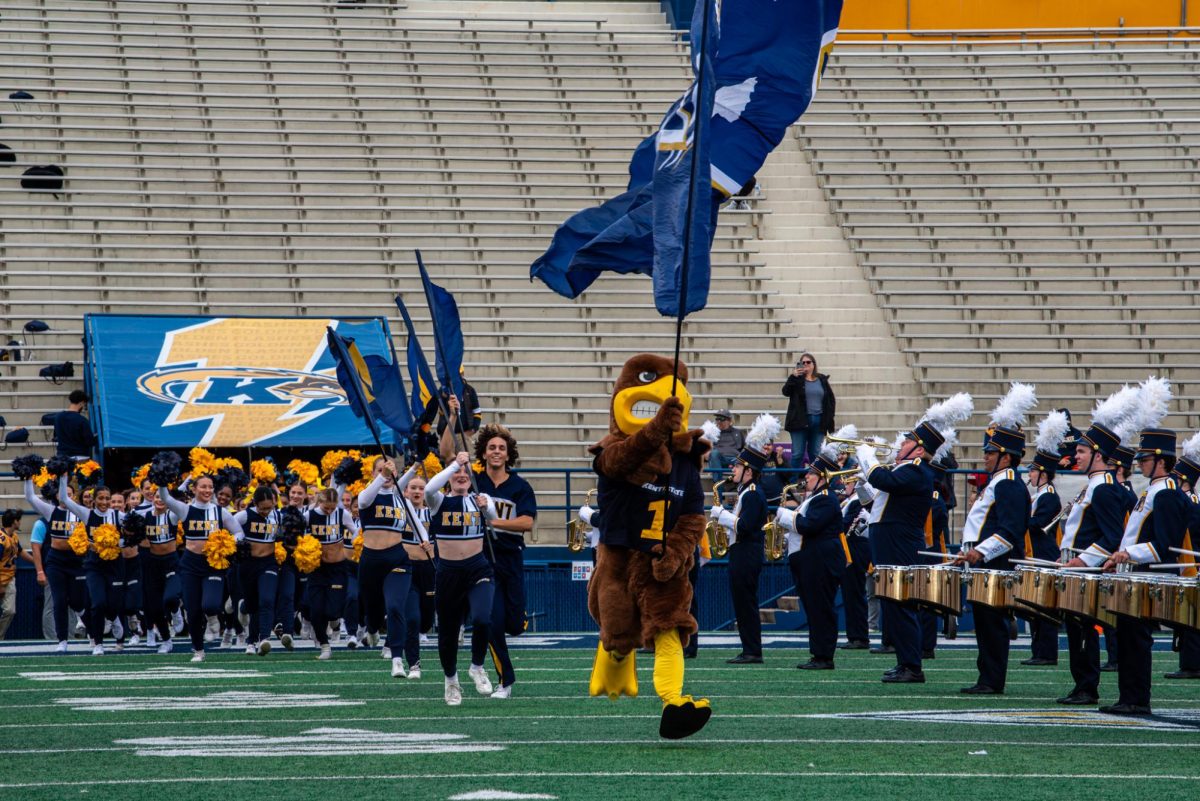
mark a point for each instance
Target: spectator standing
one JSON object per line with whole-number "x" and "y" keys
{"x": 73, "y": 431}
{"x": 811, "y": 408}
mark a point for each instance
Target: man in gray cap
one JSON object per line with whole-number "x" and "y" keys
{"x": 731, "y": 442}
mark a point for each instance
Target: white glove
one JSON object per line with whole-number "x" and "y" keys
{"x": 715, "y": 512}
{"x": 866, "y": 456}
{"x": 786, "y": 518}
{"x": 585, "y": 514}
{"x": 726, "y": 519}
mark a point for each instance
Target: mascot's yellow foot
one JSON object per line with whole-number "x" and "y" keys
{"x": 684, "y": 718}
{"x": 613, "y": 675}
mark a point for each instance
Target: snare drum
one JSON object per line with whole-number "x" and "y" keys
{"x": 893, "y": 582}
{"x": 1079, "y": 597}
{"x": 1173, "y": 601}
{"x": 1126, "y": 594}
{"x": 1036, "y": 588}
{"x": 937, "y": 588}
{"x": 991, "y": 587}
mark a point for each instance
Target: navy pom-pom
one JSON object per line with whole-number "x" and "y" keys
{"x": 133, "y": 527}
{"x": 292, "y": 524}
{"x": 165, "y": 468}
{"x": 347, "y": 472}
{"x": 59, "y": 465}
{"x": 26, "y": 467}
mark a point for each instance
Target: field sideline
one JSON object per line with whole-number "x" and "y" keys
{"x": 137, "y": 725}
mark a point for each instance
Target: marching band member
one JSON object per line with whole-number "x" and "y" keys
{"x": 102, "y": 574}
{"x": 465, "y": 578}
{"x": 1121, "y": 464}
{"x": 258, "y": 570}
{"x": 746, "y": 541}
{"x": 203, "y": 585}
{"x": 384, "y": 569}
{"x": 159, "y": 571}
{"x": 62, "y": 567}
{"x": 1097, "y": 516}
{"x": 1045, "y": 530}
{"x": 995, "y": 529}
{"x": 1187, "y": 471}
{"x": 855, "y": 519}
{"x": 516, "y": 512}
{"x": 817, "y": 556}
{"x": 898, "y": 518}
{"x": 1158, "y": 523}
{"x": 331, "y": 525}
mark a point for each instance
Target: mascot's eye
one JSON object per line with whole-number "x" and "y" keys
{"x": 647, "y": 377}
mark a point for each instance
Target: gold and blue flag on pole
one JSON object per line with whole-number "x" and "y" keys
{"x": 766, "y": 62}
{"x": 373, "y": 387}
{"x": 447, "y": 333}
{"x": 419, "y": 374}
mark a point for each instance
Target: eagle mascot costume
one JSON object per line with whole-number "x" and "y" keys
{"x": 651, "y": 520}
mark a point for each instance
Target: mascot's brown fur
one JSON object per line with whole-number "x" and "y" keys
{"x": 634, "y": 595}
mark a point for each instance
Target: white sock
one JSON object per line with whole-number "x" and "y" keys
{"x": 452, "y": 679}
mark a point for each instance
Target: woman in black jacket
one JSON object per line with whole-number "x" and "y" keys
{"x": 810, "y": 413}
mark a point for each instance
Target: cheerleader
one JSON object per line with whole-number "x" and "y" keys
{"x": 384, "y": 569}
{"x": 103, "y": 576}
{"x": 160, "y": 581}
{"x": 229, "y": 621}
{"x": 62, "y": 567}
{"x": 127, "y": 591}
{"x": 423, "y": 569}
{"x": 331, "y": 525}
{"x": 203, "y": 586}
{"x": 465, "y": 579}
{"x": 352, "y": 619}
{"x": 259, "y": 572}
{"x": 420, "y": 554}
{"x": 289, "y": 578}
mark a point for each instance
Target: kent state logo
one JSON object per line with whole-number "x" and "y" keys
{"x": 250, "y": 379}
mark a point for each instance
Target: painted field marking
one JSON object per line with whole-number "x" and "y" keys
{"x": 496, "y": 795}
{"x": 1188, "y": 719}
{"x": 234, "y": 699}
{"x": 165, "y": 672}
{"x": 325, "y": 741}
{"x": 691, "y": 774}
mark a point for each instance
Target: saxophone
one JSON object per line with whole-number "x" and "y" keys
{"x": 775, "y": 539}
{"x": 577, "y": 530}
{"x": 718, "y": 537}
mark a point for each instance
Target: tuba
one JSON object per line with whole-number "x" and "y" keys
{"x": 718, "y": 537}
{"x": 577, "y": 530}
{"x": 775, "y": 539}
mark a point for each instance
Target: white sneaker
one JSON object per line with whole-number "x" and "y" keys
{"x": 108, "y": 626}
{"x": 251, "y": 650}
{"x": 374, "y": 638}
{"x": 414, "y": 672}
{"x": 97, "y": 650}
{"x": 242, "y": 640}
{"x": 176, "y": 621}
{"x": 80, "y": 628}
{"x": 152, "y": 638}
{"x": 227, "y": 639}
{"x": 264, "y": 647}
{"x": 351, "y": 643}
{"x": 118, "y": 630}
{"x": 483, "y": 685}
{"x": 342, "y": 629}
{"x": 285, "y": 640}
{"x": 197, "y": 656}
{"x": 62, "y": 647}
{"x": 398, "y": 668}
{"x": 326, "y": 652}
{"x": 243, "y": 618}
{"x": 453, "y": 693}
{"x": 135, "y": 640}
{"x": 503, "y": 692}
{"x": 306, "y": 631}
{"x": 386, "y": 652}
{"x": 424, "y": 639}
{"x": 166, "y": 647}
{"x": 212, "y": 629}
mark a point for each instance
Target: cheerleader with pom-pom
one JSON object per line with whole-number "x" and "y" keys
{"x": 258, "y": 569}
{"x": 331, "y": 525}
{"x": 62, "y": 567}
{"x": 104, "y": 578}
{"x": 160, "y": 580}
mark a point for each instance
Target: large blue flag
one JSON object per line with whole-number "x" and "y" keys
{"x": 419, "y": 374}
{"x": 767, "y": 63}
{"x": 373, "y": 386}
{"x": 447, "y": 333}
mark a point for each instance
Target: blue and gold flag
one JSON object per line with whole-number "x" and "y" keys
{"x": 447, "y": 333}
{"x": 419, "y": 374}
{"x": 373, "y": 387}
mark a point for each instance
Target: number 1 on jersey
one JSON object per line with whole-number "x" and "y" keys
{"x": 655, "y": 532}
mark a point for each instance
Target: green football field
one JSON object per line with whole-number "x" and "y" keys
{"x": 133, "y": 726}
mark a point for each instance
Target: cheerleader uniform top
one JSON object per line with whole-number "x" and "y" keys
{"x": 60, "y": 522}
{"x": 263, "y": 529}
{"x": 384, "y": 510}
{"x": 455, "y": 517}
{"x": 160, "y": 529}
{"x": 90, "y": 517}
{"x": 201, "y": 519}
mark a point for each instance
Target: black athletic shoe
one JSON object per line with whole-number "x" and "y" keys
{"x": 980, "y": 689}
{"x": 855, "y": 645}
{"x": 743, "y": 659}
{"x": 904, "y": 675}
{"x": 1125, "y": 709}
{"x": 883, "y": 649}
{"x": 1038, "y": 661}
{"x": 1183, "y": 674}
{"x": 1075, "y": 698}
{"x": 928, "y": 655}
{"x": 816, "y": 664}
{"x": 1108, "y": 667}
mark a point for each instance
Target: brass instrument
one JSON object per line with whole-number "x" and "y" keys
{"x": 718, "y": 537}
{"x": 577, "y": 530}
{"x": 882, "y": 449}
{"x": 839, "y": 473}
{"x": 775, "y": 539}
{"x": 1049, "y": 527}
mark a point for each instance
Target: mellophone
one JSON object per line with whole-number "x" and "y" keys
{"x": 1042, "y": 590}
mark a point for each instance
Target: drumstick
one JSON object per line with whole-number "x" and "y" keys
{"x": 1083, "y": 569}
{"x": 934, "y": 553}
{"x": 1170, "y": 565}
{"x": 1186, "y": 551}
{"x": 1037, "y": 562}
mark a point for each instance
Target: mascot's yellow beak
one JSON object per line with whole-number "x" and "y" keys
{"x": 635, "y": 406}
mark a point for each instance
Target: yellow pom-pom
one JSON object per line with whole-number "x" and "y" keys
{"x": 202, "y": 462}
{"x": 357, "y": 487}
{"x": 262, "y": 471}
{"x": 430, "y": 467}
{"x": 477, "y": 467}
{"x": 330, "y": 461}
{"x": 85, "y": 469}
{"x": 356, "y": 553}
{"x": 308, "y": 553}
{"x": 179, "y": 534}
{"x": 78, "y": 539}
{"x": 42, "y": 477}
{"x": 227, "y": 461}
{"x": 280, "y": 553}
{"x": 139, "y": 477}
{"x": 368, "y": 468}
{"x": 307, "y": 471}
{"x": 218, "y": 548}
{"x": 107, "y": 541}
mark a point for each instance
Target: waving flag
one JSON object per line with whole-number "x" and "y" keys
{"x": 447, "y": 333}
{"x": 419, "y": 374}
{"x": 373, "y": 386}
{"x": 767, "y": 63}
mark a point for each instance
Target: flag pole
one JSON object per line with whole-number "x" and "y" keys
{"x": 687, "y": 222}
{"x": 460, "y": 429}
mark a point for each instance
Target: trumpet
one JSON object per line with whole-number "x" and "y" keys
{"x": 718, "y": 537}
{"x": 882, "y": 449}
{"x": 775, "y": 539}
{"x": 1053, "y": 524}
{"x": 577, "y": 530}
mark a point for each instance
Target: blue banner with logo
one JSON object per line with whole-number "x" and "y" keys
{"x": 164, "y": 381}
